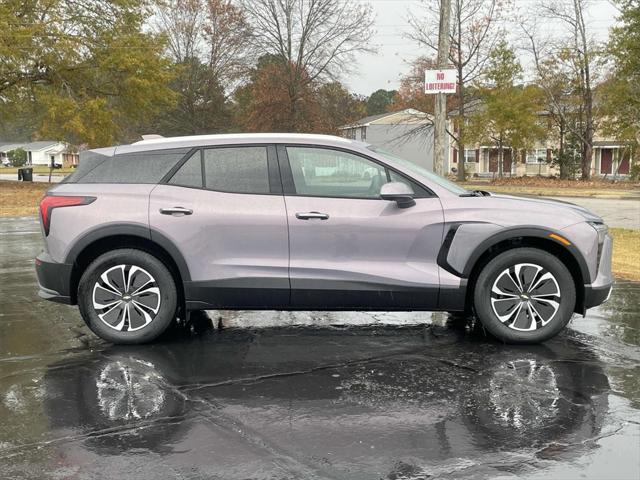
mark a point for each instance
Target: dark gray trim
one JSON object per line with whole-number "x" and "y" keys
{"x": 314, "y": 294}
{"x": 243, "y": 293}
{"x": 134, "y": 230}
{"x": 54, "y": 279}
{"x": 594, "y": 296}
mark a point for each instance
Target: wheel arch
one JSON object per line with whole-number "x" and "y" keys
{"x": 110, "y": 237}
{"x": 508, "y": 239}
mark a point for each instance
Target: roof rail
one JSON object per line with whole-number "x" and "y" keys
{"x": 151, "y": 136}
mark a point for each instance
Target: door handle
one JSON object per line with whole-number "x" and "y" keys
{"x": 176, "y": 211}
{"x": 312, "y": 215}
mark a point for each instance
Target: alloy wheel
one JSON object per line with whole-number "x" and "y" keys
{"x": 126, "y": 298}
{"x": 525, "y": 297}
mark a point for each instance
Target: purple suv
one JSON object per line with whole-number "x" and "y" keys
{"x": 145, "y": 233}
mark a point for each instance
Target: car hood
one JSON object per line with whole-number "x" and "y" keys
{"x": 587, "y": 214}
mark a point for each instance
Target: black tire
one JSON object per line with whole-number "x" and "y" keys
{"x": 541, "y": 308}
{"x": 137, "y": 328}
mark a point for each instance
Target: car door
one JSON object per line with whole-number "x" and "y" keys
{"x": 348, "y": 247}
{"x": 223, "y": 209}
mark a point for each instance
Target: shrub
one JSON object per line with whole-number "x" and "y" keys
{"x": 17, "y": 157}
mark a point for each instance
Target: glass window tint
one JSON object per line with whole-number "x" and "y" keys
{"x": 138, "y": 167}
{"x": 323, "y": 172}
{"x": 237, "y": 169}
{"x": 418, "y": 190}
{"x": 190, "y": 173}
{"x": 88, "y": 161}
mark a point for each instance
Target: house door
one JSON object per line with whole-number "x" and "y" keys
{"x": 606, "y": 161}
{"x": 494, "y": 161}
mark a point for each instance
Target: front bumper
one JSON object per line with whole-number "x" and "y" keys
{"x": 594, "y": 296}
{"x": 54, "y": 279}
{"x": 599, "y": 291}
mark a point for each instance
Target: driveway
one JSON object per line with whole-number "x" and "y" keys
{"x": 315, "y": 395}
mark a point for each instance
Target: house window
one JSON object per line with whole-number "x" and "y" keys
{"x": 469, "y": 156}
{"x": 537, "y": 156}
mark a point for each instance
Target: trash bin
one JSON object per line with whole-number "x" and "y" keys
{"x": 27, "y": 174}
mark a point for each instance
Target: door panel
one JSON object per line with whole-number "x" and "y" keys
{"x": 606, "y": 160}
{"x": 368, "y": 253}
{"x": 235, "y": 245}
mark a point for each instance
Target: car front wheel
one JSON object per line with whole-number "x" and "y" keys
{"x": 127, "y": 296}
{"x": 524, "y": 295}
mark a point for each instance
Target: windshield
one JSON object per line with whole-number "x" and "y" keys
{"x": 417, "y": 169}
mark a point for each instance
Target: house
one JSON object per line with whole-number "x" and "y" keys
{"x": 610, "y": 157}
{"x": 405, "y": 133}
{"x": 42, "y": 152}
{"x": 5, "y": 148}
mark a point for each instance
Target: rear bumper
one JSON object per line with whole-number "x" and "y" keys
{"x": 54, "y": 279}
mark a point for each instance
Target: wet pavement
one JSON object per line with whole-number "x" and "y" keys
{"x": 315, "y": 395}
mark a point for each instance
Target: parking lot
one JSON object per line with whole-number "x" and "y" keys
{"x": 311, "y": 395}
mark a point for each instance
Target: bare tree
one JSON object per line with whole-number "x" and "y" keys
{"x": 215, "y": 32}
{"x": 474, "y": 32}
{"x": 574, "y": 57}
{"x": 313, "y": 40}
{"x": 182, "y": 23}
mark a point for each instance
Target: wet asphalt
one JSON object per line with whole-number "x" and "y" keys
{"x": 314, "y": 395}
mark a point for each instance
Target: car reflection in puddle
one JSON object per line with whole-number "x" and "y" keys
{"x": 302, "y": 402}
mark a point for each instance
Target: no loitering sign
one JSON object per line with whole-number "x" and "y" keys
{"x": 440, "y": 81}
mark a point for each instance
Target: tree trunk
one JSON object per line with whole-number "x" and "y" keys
{"x": 440, "y": 127}
{"x": 500, "y": 158}
{"x": 564, "y": 174}
{"x": 461, "y": 167}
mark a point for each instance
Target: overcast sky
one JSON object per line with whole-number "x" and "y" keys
{"x": 395, "y": 51}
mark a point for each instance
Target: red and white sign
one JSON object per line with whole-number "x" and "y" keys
{"x": 440, "y": 81}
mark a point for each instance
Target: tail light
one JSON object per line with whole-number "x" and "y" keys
{"x": 49, "y": 202}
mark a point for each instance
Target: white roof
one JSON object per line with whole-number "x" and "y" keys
{"x": 258, "y": 137}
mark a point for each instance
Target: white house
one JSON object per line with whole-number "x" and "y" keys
{"x": 45, "y": 152}
{"x": 42, "y": 152}
{"x": 406, "y": 133}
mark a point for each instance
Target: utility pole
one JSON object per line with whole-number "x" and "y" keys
{"x": 440, "y": 128}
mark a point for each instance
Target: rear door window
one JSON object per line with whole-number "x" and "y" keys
{"x": 237, "y": 169}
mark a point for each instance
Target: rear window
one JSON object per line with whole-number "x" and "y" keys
{"x": 88, "y": 161}
{"x": 138, "y": 167}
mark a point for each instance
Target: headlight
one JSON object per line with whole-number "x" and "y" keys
{"x": 601, "y": 229}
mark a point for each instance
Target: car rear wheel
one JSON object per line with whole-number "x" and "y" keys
{"x": 127, "y": 296}
{"x": 524, "y": 295}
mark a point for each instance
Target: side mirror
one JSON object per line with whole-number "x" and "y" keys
{"x": 399, "y": 192}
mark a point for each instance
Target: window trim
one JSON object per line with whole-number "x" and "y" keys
{"x": 535, "y": 153}
{"x": 288, "y": 183}
{"x": 273, "y": 170}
